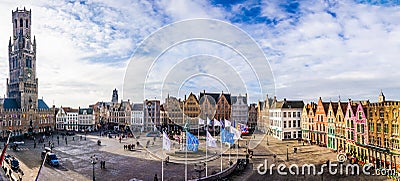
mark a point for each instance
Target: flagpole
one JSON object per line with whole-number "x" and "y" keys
{"x": 186, "y": 157}
{"x": 198, "y": 129}
{"x": 183, "y": 116}
{"x": 206, "y": 149}
{"x": 221, "y": 148}
{"x": 162, "y": 160}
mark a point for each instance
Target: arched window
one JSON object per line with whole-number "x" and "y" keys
{"x": 15, "y": 23}
{"x": 21, "y": 23}
{"x": 26, "y": 23}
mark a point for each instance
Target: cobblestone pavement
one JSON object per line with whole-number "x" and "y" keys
{"x": 120, "y": 164}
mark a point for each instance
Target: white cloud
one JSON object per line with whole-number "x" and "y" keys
{"x": 83, "y": 49}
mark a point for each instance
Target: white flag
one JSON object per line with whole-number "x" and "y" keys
{"x": 211, "y": 142}
{"x": 154, "y": 128}
{"x": 201, "y": 121}
{"x": 227, "y": 123}
{"x": 236, "y": 133}
{"x": 166, "y": 142}
{"x": 217, "y": 123}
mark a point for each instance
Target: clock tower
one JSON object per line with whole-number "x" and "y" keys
{"x": 22, "y": 84}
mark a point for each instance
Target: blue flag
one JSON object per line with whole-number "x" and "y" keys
{"x": 227, "y": 137}
{"x": 192, "y": 142}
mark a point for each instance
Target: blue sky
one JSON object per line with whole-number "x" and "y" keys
{"x": 315, "y": 48}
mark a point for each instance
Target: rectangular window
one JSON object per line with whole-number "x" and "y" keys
{"x": 362, "y": 128}
{"x": 358, "y": 128}
{"x": 385, "y": 128}
{"x": 294, "y": 114}
{"x": 294, "y": 123}
{"x": 298, "y": 114}
{"x": 284, "y": 114}
{"x": 290, "y": 124}
{"x": 289, "y": 114}
{"x": 371, "y": 127}
{"x": 359, "y": 115}
{"x": 298, "y": 122}
{"x": 284, "y": 124}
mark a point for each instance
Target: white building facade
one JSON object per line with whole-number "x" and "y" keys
{"x": 137, "y": 118}
{"x": 67, "y": 119}
{"x": 285, "y": 119}
{"x": 151, "y": 114}
{"x": 240, "y": 109}
{"x": 86, "y": 119}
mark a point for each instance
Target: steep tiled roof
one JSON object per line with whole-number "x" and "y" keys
{"x": 68, "y": 109}
{"x": 326, "y": 107}
{"x": 137, "y": 107}
{"x": 335, "y": 107}
{"x": 288, "y": 104}
{"x": 88, "y": 110}
{"x": 9, "y": 103}
{"x": 261, "y": 105}
{"x": 235, "y": 98}
{"x": 42, "y": 104}
{"x": 216, "y": 96}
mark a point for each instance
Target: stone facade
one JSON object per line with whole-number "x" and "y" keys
{"x": 191, "y": 106}
{"x": 263, "y": 123}
{"x": 223, "y": 105}
{"x": 252, "y": 116}
{"x": 240, "y": 110}
{"x": 21, "y": 111}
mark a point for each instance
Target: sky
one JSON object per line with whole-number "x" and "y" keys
{"x": 321, "y": 48}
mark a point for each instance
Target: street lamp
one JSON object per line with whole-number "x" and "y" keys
{"x": 93, "y": 161}
{"x": 287, "y": 152}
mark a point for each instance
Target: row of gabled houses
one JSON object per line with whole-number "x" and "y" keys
{"x": 144, "y": 116}
{"x": 367, "y": 132}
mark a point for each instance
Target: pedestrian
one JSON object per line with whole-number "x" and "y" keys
{"x": 120, "y": 139}
{"x": 58, "y": 142}
{"x": 104, "y": 164}
{"x": 73, "y": 138}
{"x": 155, "y": 177}
{"x": 80, "y": 138}
{"x": 44, "y": 145}
{"x": 274, "y": 158}
{"x": 49, "y": 143}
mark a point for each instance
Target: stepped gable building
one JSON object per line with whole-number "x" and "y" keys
{"x": 21, "y": 111}
{"x": 263, "y": 123}
{"x": 223, "y": 104}
{"x": 191, "y": 106}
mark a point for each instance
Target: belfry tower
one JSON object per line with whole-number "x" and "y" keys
{"x": 22, "y": 84}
